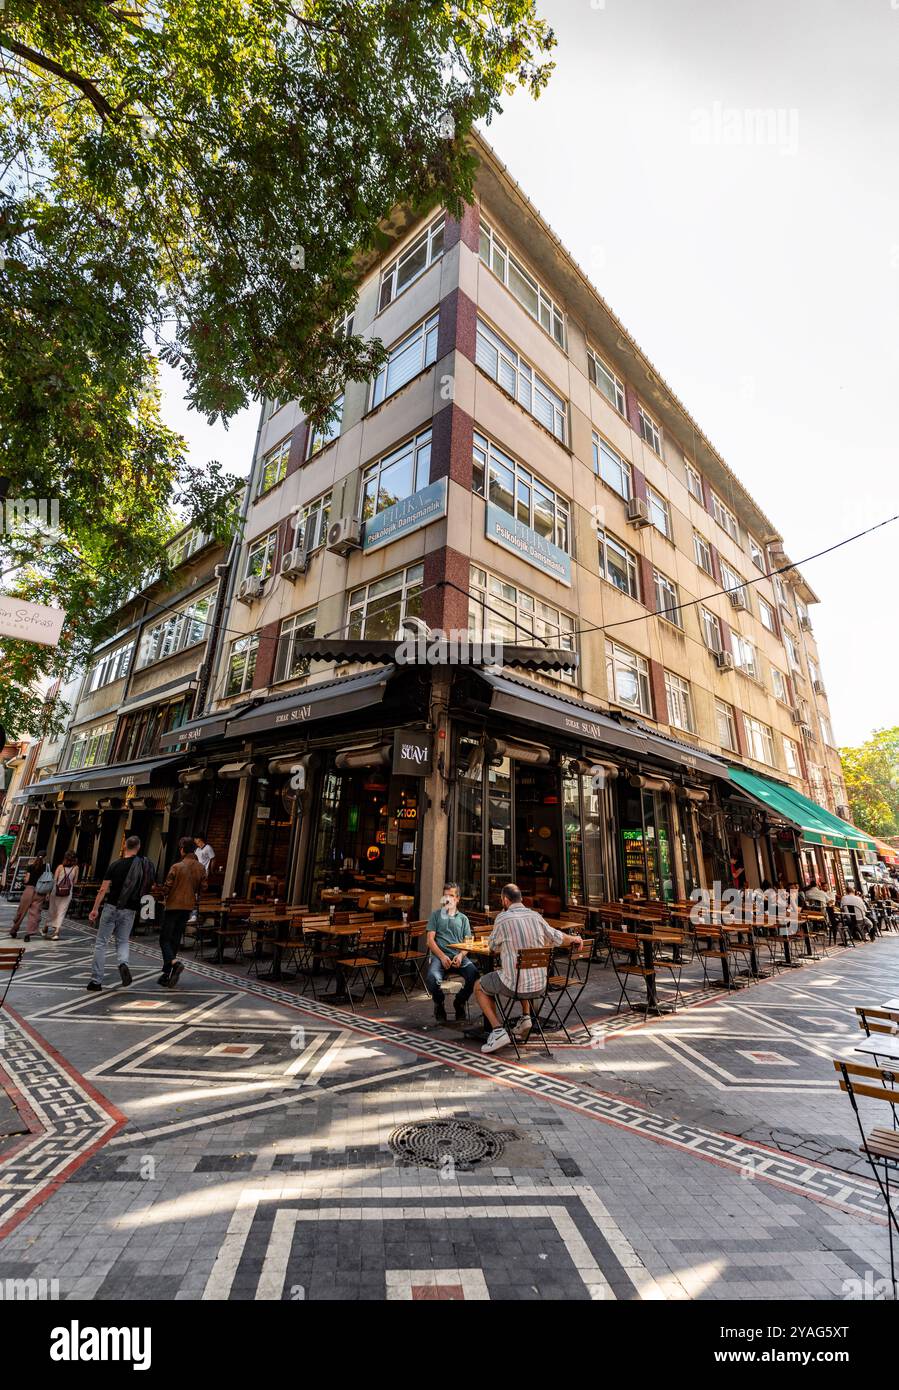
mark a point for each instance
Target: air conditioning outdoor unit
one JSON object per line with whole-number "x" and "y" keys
{"x": 796, "y": 716}
{"x": 294, "y": 562}
{"x": 738, "y": 599}
{"x": 818, "y": 687}
{"x": 724, "y": 661}
{"x": 251, "y": 589}
{"x": 638, "y": 512}
{"x": 805, "y": 622}
{"x": 345, "y": 535}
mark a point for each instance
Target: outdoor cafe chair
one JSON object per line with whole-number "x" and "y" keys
{"x": 407, "y": 959}
{"x": 364, "y": 962}
{"x": 714, "y": 944}
{"x": 880, "y": 1146}
{"x": 10, "y": 960}
{"x": 877, "y": 1021}
{"x": 529, "y": 958}
{"x": 566, "y": 987}
{"x": 624, "y": 949}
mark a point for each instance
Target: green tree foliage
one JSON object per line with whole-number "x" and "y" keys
{"x": 872, "y": 781}
{"x": 202, "y": 180}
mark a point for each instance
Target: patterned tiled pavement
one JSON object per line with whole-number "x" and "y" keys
{"x": 228, "y": 1140}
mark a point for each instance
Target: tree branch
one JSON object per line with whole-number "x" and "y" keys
{"x": 40, "y": 60}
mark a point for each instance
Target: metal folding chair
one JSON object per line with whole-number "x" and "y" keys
{"x": 365, "y": 961}
{"x": 570, "y": 986}
{"x": 529, "y": 958}
{"x": 407, "y": 956}
{"x": 10, "y": 960}
{"x": 881, "y": 1146}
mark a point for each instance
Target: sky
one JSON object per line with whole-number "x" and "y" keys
{"x": 725, "y": 173}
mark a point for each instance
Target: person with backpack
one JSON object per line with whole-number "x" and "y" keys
{"x": 33, "y": 898}
{"x": 126, "y": 883}
{"x": 179, "y": 893}
{"x": 64, "y": 880}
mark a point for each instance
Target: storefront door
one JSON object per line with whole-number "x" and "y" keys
{"x": 645, "y": 843}
{"x": 367, "y": 832}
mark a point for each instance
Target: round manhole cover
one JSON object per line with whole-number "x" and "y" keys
{"x": 440, "y": 1143}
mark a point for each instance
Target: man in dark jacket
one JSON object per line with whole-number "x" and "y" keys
{"x": 126, "y": 882}
{"x": 179, "y": 892}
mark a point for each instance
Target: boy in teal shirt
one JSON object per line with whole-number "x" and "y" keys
{"x": 446, "y": 926}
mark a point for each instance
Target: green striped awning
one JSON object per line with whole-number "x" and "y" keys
{"x": 816, "y": 825}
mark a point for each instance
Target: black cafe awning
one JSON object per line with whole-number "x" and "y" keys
{"x": 195, "y": 731}
{"x": 121, "y": 775}
{"x": 385, "y": 653}
{"x": 516, "y": 698}
{"x": 314, "y": 702}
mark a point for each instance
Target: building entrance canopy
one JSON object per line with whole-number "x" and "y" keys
{"x": 816, "y": 825}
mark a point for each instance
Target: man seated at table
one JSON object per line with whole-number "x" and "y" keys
{"x": 853, "y": 905}
{"x": 446, "y": 927}
{"x": 517, "y": 928}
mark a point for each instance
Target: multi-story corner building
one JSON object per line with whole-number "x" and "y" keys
{"x": 112, "y": 775}
{"x": 519, "y": 472}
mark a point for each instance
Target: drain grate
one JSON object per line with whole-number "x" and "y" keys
{"x": 439, "y": 1143}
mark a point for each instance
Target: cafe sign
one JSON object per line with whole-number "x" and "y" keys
{"x": 412, "y": 753}
{"x": 31, "y": 622}
{"x": 406, "y": 516}
{"x": 527, "y": 544}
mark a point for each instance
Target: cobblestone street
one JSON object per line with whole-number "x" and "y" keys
{"x": 229, "y": 1140}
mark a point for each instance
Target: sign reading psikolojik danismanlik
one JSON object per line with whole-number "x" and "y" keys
{"x": 528, "y": 544}
{"x": 423, "y": 507}
{"x": 32, "y": 622}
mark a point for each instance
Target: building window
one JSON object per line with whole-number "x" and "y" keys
{"x": 605, "y": 381}
{"x": 779, "y": 682}
{"x": 529, "y": 292}
{"x": 506, "y": 613}
{"x": 710, "y": 625}
{"x": 289, "y": 664}
{"x": 183, "y": 628}
{"x": 757, "y": 554}
{"x": 261, "y": 556}
{"x": 694, "y": 483}
{"x": 659, "y": 512}
{"x": 312, "y": 524}
{"x": 186, "y": 545}
{"x": 802, "y": 614}
{"x": 242, "y": 664}
{"x": 397, "y": 475}
{"x": 791, "y": 757}
{"x": 406, "y": 359}
{"x": 726, "y": 721}
{"x": 328, "y": 430}
{"x": 414, "y": 261}
{"x": 792, "y": 652}
{"x": 725, "y": 517}
{"x": 680, "y": 703}
{"x": 514, "y": 489}
{"x": 139, "y": 733}
{"x": 111, "y": 667}
{"x": 90, "y": 747}
{"x": 735, "y": 586}
{"x": 611, "y": 467}
{"x": 501, "y": 362}
{"x": 667, "y": 602}
{"x": 813, "y": 671}
{"x": 745, "y": 656}
{"x": 702, "y": 552}
{"x": 759, "y": 741}
{"x": 649, "y": 431}
{"x": 379, "y": 609}
{"x": 766, "y": 613}
{"x": 618, "y": 565}
{"x": 273, "y": 468}
{"x": 627, "y": 678}
{"x": 826, "y": 730}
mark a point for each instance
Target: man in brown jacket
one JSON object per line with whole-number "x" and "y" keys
{"x": 179, "y": 893}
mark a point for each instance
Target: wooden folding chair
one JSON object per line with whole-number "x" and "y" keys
{"x": 880, "y": 1146}
{"x": 10, "y": 960}
{"x": 568, "y": 986}
{"x": 529, "y": 958}
{"x": 407, "y": 959}
{"x": 365, "y": 961}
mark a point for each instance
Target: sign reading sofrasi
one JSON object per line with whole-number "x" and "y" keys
{"x": 32, "y": 622}
{"x": 423, "y": 507}
{"x": 412, "y": 753}
{"x": 528, "y": 544}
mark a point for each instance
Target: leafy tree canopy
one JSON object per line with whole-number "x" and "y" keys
{"x": 195, "y": 179}
{"x": 872, "y": 782}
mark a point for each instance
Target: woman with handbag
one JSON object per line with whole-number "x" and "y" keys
{"x": 64, "y": 881}
{"x": 34, "y": 871}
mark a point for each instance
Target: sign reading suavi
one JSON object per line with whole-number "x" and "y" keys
{"x": 513, "y": 535}
{"x": 423, "y": 507}
{"x": 412, "y": 753}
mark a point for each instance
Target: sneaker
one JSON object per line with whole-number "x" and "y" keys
{"x": 176, "y": 973}
{"x": 93, "y": 987}
{"x": 522, "y": 1029}
{"x": 164, "y": 981}
{"x": 125, "y": 974}
{"x": 478, "y": 1032}
{"x": 459, "y": 1011}
{"x": 440, "y": 1012}
{"x": 498, "y": 1038}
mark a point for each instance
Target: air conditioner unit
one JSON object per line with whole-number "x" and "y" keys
{"x": 805, "y": 622}
{"x": 797, "y": 716}
{"x": 294, "y": 562}
{"x": 818, "y": 687}
{"x": 638, "y": 512}
{"x": 345, "y": 535}
{"x": 738, "y": 599}
{"x": 724, "y": 661}
{"x": 844, "y": 812}
{"x": 251, "y": 589}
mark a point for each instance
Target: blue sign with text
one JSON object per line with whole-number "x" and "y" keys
{"x": 423, "y": 507}
{"x": 528, "y": 544}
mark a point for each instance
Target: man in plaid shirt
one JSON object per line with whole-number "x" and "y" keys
{"x": 517, "y": 928}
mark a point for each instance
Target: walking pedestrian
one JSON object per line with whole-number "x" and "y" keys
{"x": 126, "y": 882}
{"x": 179, "y": 893}
{"x": 64, "y": 880}
{"x": 27, "y": 911}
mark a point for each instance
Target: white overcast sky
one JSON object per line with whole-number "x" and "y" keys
{"x": 759, "y": 272}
